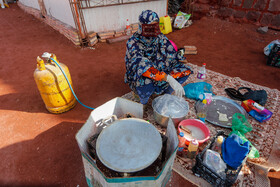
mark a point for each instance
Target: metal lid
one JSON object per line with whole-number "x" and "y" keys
{"x": 128, "y": 145}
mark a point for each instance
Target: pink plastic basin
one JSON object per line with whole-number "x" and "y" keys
{"x": 199, "y": 126}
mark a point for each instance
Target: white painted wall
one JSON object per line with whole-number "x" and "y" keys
{"x": 114, "y": 17}
{"x": 30, "y": 3}
{"x": 102, "y": 18}
{"x": 59, "y": 9}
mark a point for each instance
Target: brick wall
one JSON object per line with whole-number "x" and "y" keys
{"x": 260, "y": 12}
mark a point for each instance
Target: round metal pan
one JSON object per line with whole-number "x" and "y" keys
{"x": 172, "y": 102}
{"x": 128, "y": 145}
{"x": 220, "y": 106}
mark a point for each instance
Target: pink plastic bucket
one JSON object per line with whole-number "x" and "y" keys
{"x": 198, "y": 126}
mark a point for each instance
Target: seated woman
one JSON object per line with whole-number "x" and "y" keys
{"x": 152, "y": 63}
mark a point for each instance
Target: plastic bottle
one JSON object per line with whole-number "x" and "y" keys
{"x": 127, "y": 28}
{"x": 182, "y": 144}
{"x": 202, "y": 110}
{"x": 201, "y": 74}
{"x": 192, "y": 149}
{"x": 217, "y": 146}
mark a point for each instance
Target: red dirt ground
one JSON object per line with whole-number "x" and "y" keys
{"x": 38, "y": 148}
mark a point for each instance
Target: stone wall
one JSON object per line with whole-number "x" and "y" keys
{"x": 260, "y": 12}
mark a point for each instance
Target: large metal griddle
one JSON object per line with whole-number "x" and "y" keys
{"x": 222, "y": 105}
{"x": 128, "y": 145}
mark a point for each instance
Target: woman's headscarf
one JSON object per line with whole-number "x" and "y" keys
{"x": 147, "y": 17}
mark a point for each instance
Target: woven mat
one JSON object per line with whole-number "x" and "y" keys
{"x": 254, "y": 173}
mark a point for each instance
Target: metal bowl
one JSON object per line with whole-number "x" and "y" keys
{"x": 162, "y": 119}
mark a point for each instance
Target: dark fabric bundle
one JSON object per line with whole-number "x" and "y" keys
{"x": 274, "y": 56}
{"x": 259, "y": 96}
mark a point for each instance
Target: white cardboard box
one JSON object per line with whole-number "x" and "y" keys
{"x": 119, "y": 106}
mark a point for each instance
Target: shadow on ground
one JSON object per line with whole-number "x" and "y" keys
{"x": 50, "y": 159}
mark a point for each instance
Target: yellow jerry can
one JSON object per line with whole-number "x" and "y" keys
{"x": 53, "y": 86}
{"x": 165, "y": 24}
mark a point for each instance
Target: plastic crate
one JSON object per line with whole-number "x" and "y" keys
{"x": 201, "y": 170}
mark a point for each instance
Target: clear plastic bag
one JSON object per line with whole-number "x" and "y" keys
{"x": 213, "y": 160}
{"x": 170, "y": 105}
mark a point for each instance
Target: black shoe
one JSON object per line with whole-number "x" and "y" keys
{"x": 234, "y": 94}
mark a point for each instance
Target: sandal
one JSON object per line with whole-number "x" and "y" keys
{"x": 234, "y": 94}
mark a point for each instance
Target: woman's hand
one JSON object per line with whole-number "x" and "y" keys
{"x": 177, "y": 87}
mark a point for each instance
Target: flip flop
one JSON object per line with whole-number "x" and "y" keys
{"x": 234, "y": 94}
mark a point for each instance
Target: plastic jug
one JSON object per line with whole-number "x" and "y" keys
{"x": 165, "y": 24}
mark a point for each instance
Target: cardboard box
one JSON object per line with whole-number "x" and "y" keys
{"x": 119, "y": 107}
